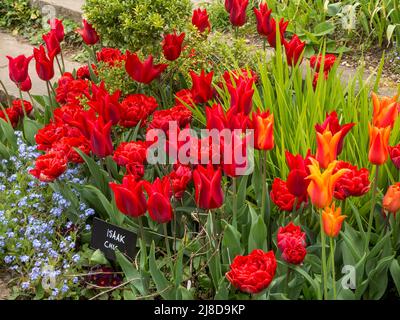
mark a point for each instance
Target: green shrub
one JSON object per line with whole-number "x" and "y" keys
{"x": 136, "y": 24}
{"x": 17, "y": 15}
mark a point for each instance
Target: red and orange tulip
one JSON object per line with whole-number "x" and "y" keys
{"x": 327, "y": 147}
{"x": 332, "y": 220}
{"x": 263, "y": 125}
{"x": 322, "y": 185}
{"x": 378, "y": 144}
{"x": 385, "y": 111}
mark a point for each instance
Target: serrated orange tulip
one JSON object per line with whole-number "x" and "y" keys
{"x": 378, "y": 144}
{"x": 332, "y": 220}
{"x": 322, "y": 185}
{"x": 385, "y": 111}
{"x": 327, "y": 147}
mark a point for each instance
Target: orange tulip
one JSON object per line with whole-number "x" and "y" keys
{"x": 332, "y": 221}
{"x": 263, "y": 125}
{"x": 322, "y": 185}
{"x": 391, "y": 201}
{"x": 385, "y": 111}
{"x": 327, "y": 147}
{"x": 378, "y": 144}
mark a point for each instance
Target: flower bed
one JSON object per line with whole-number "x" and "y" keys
{"x": 242, "y": 180}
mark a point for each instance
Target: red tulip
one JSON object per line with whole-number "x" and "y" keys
{"x": 216, "y": 118}
{"x": 17, "y": 106}
{"x": 235, "y": 160}
{"x": 271, "y": 37}
{"x": 329, "y": 61}
{"x": 52, "y": 43}
{"x": 129, "y": 197}
{"x": 242, "y": 95}
{"x": 354, "y": 183}
{"x": 110, "y": 56}
{"x": 228, "y": 5}
{"x": 88, "y": 33}
{"x": 58, "y": 28}
{"x": 172, "y": 45}
{"x": 252, "y": 273}
{"x": 100, "y": 138}
{"x": 159, "y": 204}
{"x": 395, "y": 155}
{"x": 283, "y": 198}
{"x": 26, "y": 86}
{"x": 11, "y": 115}
{"x": 44, "y": 63}
{"x": 49, "y": 166}
{"x": 297, "y": 183}
{"x": 18, "y": 68}
{"x": 292, "y": 242}
{"x": 291, "y": 231}
{"x": 202, "y": 89}
{"x": 162, "y": 118}
{"x": 130, "y": 153}
{"x": 294, "y": 50}
{"x": 82, "y": 120}
{"x": 143, "y": 72}
{"x": 237, "y": 12}
{"x": 316, "y": 77}
{"x": 263, "y": 17}
{"x": 207, "y": 184}
{"x": 106, "y": 105}
{"x": 179, "y": 179}
{"x": 200, "y": 20}
{"x": 137, "y": 108}
{"x": 67, "y": 146}
{"x": 332, "y": 123}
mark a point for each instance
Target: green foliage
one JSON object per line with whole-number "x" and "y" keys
{"x": 17, "y": 15}
{"x": 136, "y": 24}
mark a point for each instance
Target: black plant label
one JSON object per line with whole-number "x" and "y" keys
{"x": 108, "y": 238}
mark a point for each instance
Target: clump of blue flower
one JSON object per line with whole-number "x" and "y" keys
{"x": 37, "y": 240}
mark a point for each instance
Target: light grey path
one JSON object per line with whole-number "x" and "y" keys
{"x": 10, "y": 46}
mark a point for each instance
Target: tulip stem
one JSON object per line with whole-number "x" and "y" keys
{"x": 371, "y": 213}
{"x": 62, "y": 61}
{"x": 50, "y": 100}
{"x": 35, "y": 106}
{"x": 324, "y": 267}
{"x": 332, "y": 245}
{"x": 94, "y": 55}
{"x": 59, "y": 65}
{"x": 263, "y": 168}
{"x": 234, "y": 190}
{"x": 288, "y": 274}
{"x": 7, "y": 95}
{"x": 142, "y": 238}
{"x": 168, "y": 249}
{"x": 22, "y": 102}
